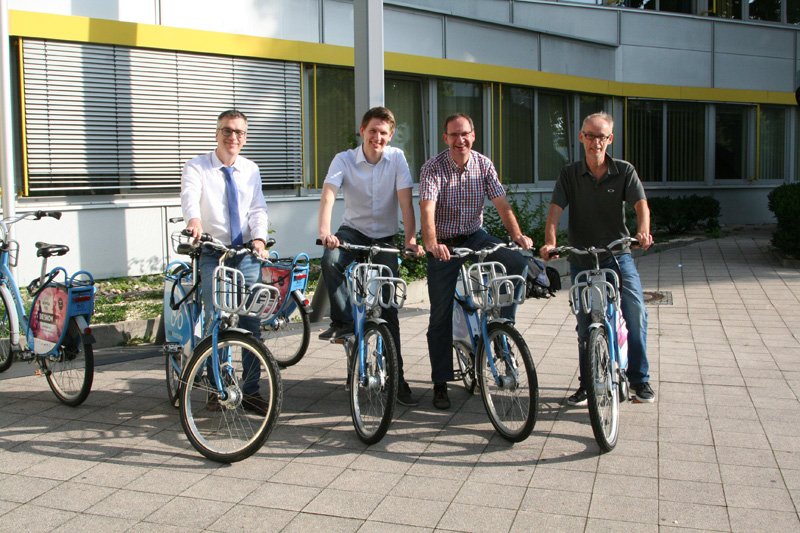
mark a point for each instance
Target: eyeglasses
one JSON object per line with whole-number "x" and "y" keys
{"x": 459, "y": 135}
{"x": 591, "y": 137}
{"x": 227, "y": 132}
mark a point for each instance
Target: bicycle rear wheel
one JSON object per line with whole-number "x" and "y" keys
{"x": 287, "y": 336}
{"x": 70, "y": 374}
{"x": 512, "y": 400}
{"x": 229, "y": 425}
{"x": 372, "y": 400}
{"x": 6, "y": 355}
{"x": 603, "y": 394}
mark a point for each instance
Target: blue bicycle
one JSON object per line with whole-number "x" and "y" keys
{"x": 490, "y": 353}
{"x": 56, "y": 331}
{"x": 604, "y": 363}
{"x": 372, "y": 367}
{"x": 229, "y": 390}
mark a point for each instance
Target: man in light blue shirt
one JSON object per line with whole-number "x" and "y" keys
{"x": 374, "y": 178}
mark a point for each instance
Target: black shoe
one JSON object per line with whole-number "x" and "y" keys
{"x": 255, "y": 403}
{"x": 579, "y": 398}
{"x": 336, "y": 331}
{"x": 440, "y": 399}
{"x": 212, "y": 403}
{"x": 404, "y": 396}
{"x": 643, "y": 393}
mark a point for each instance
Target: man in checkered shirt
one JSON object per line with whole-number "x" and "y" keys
{"x": 452, "y": 189}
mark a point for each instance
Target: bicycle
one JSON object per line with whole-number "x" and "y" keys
{"x": 220, "y": 417}
{"x": 372, "y": 367}
{"x": 596, "y": 292}
{"x": 288, "y": 331}
{"x": 55, "y": 332}
{"x": 490, "y": 353}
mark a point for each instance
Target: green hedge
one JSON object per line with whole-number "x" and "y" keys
{"x": 784, "y": 201}
{"x": 676, "y": 215}
{"x": 531, "y": 216}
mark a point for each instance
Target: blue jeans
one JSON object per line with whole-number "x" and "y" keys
{"x": 251, "y": 269}
{"x": 442, "y": 278}
{"x": 334, "y": 264}
{"x": 634, "y": 312}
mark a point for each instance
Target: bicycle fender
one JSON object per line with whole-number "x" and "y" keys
{"x": 499, "y": 320}
{"x": 377, "y": 321}
{"x": 86, "y": 331}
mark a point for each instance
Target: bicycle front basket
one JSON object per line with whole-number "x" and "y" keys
{"x": 374, "y": 285}
{"x": 232, "y": 295}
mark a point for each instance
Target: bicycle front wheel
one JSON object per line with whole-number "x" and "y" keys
{"x": 511, "y": 399}
{"x": 71, "y": 372}
{"x": 373, "y": 396}
{"x": 287, "y": 336}
{"x": 6, "y": 355}
{"x": 230, "y": 423}
{"x": 603, "y": 394}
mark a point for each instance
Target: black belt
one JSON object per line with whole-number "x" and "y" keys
{"x": 456, "y": 241}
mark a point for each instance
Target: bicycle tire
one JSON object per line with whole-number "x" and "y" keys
{"x": 224, "y": 430}
{"x": 512, "y": 406}
{"x": 6, "y": 353}
{"x": 603, "y": 395}
{"x": 372, "y": 403}
{"x": 71, "y": 373}
{"x": 466, "y": 365}
{"x": 287, "y": 340}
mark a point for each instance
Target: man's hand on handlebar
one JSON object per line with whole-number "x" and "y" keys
{"x": 545, "y": 251}
{"x": 439, "y": 251}
{"x": 645, "y": 240}
{"x": 524, "y": 242}
{"x": 329, "y": 241}
{"x": 195, "y": 227}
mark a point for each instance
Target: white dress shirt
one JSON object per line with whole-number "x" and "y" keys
{"x": 203, "y": 197}
{"x": 370, "y": 191}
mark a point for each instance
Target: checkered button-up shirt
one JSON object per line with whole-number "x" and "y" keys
{"x": 459, "y": 195}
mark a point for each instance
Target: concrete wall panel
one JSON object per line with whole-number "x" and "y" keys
{"x": 492, "y": 45}
{"x": 664, "y": 31}
{"x": 753, "y": 73}
{"x": 485, "y": 10}
{"x": 564, "y": 56}
{"x": 596, "y": 24}
{"x": 297, "y": 20}
{"x": 124, "y": 10}
{"x": 413, "y": 33}
{"x": 754, "y": 40}
{"x": 664, "y": 66}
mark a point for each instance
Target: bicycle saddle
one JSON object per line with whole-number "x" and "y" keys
{"x": 47, "y": 250}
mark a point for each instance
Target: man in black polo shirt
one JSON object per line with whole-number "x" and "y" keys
{"x": 596, "y": 192}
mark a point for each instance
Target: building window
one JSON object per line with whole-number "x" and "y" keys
{"x": 335, "y": 117}
{"x": 516, "y": 148}
{"x": 110, "y": 119}
{"x": 769, "y": 10}
{"x": 772, "y": 132}
{"x": 686, "y": 135}
{"x": 730, "y": 151}
{"x": 793, "y": 11}
{"x": 645, "y": 138}
{"x": 404, "y": 98}
{"x": 460, "y": 97}
{"x": 554, "y": 134}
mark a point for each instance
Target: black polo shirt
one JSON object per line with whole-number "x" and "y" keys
{"x": 597, "y": 207}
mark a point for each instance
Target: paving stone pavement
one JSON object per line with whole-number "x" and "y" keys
{"x": 719, "y": 450}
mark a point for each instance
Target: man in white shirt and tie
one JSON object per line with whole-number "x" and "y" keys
{"x": 374, "y": 178}
{"x": 221, "y": 195}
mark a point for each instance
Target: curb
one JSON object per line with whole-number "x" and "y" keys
{"x": 120, "y": 333}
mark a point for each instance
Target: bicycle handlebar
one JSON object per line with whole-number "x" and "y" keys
{"x": 483, "y": 252}
{"x": 593, "y": 250}
{"x": 372, "y": 249}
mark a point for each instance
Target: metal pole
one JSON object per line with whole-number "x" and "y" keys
{"x": 6, "y": 133}
{"x": 368, "y": 47}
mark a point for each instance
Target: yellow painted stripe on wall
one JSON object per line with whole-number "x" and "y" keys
{"x": 83, "y": 29}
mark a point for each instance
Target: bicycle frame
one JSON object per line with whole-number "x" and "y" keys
{"x": 481, "y": 290}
